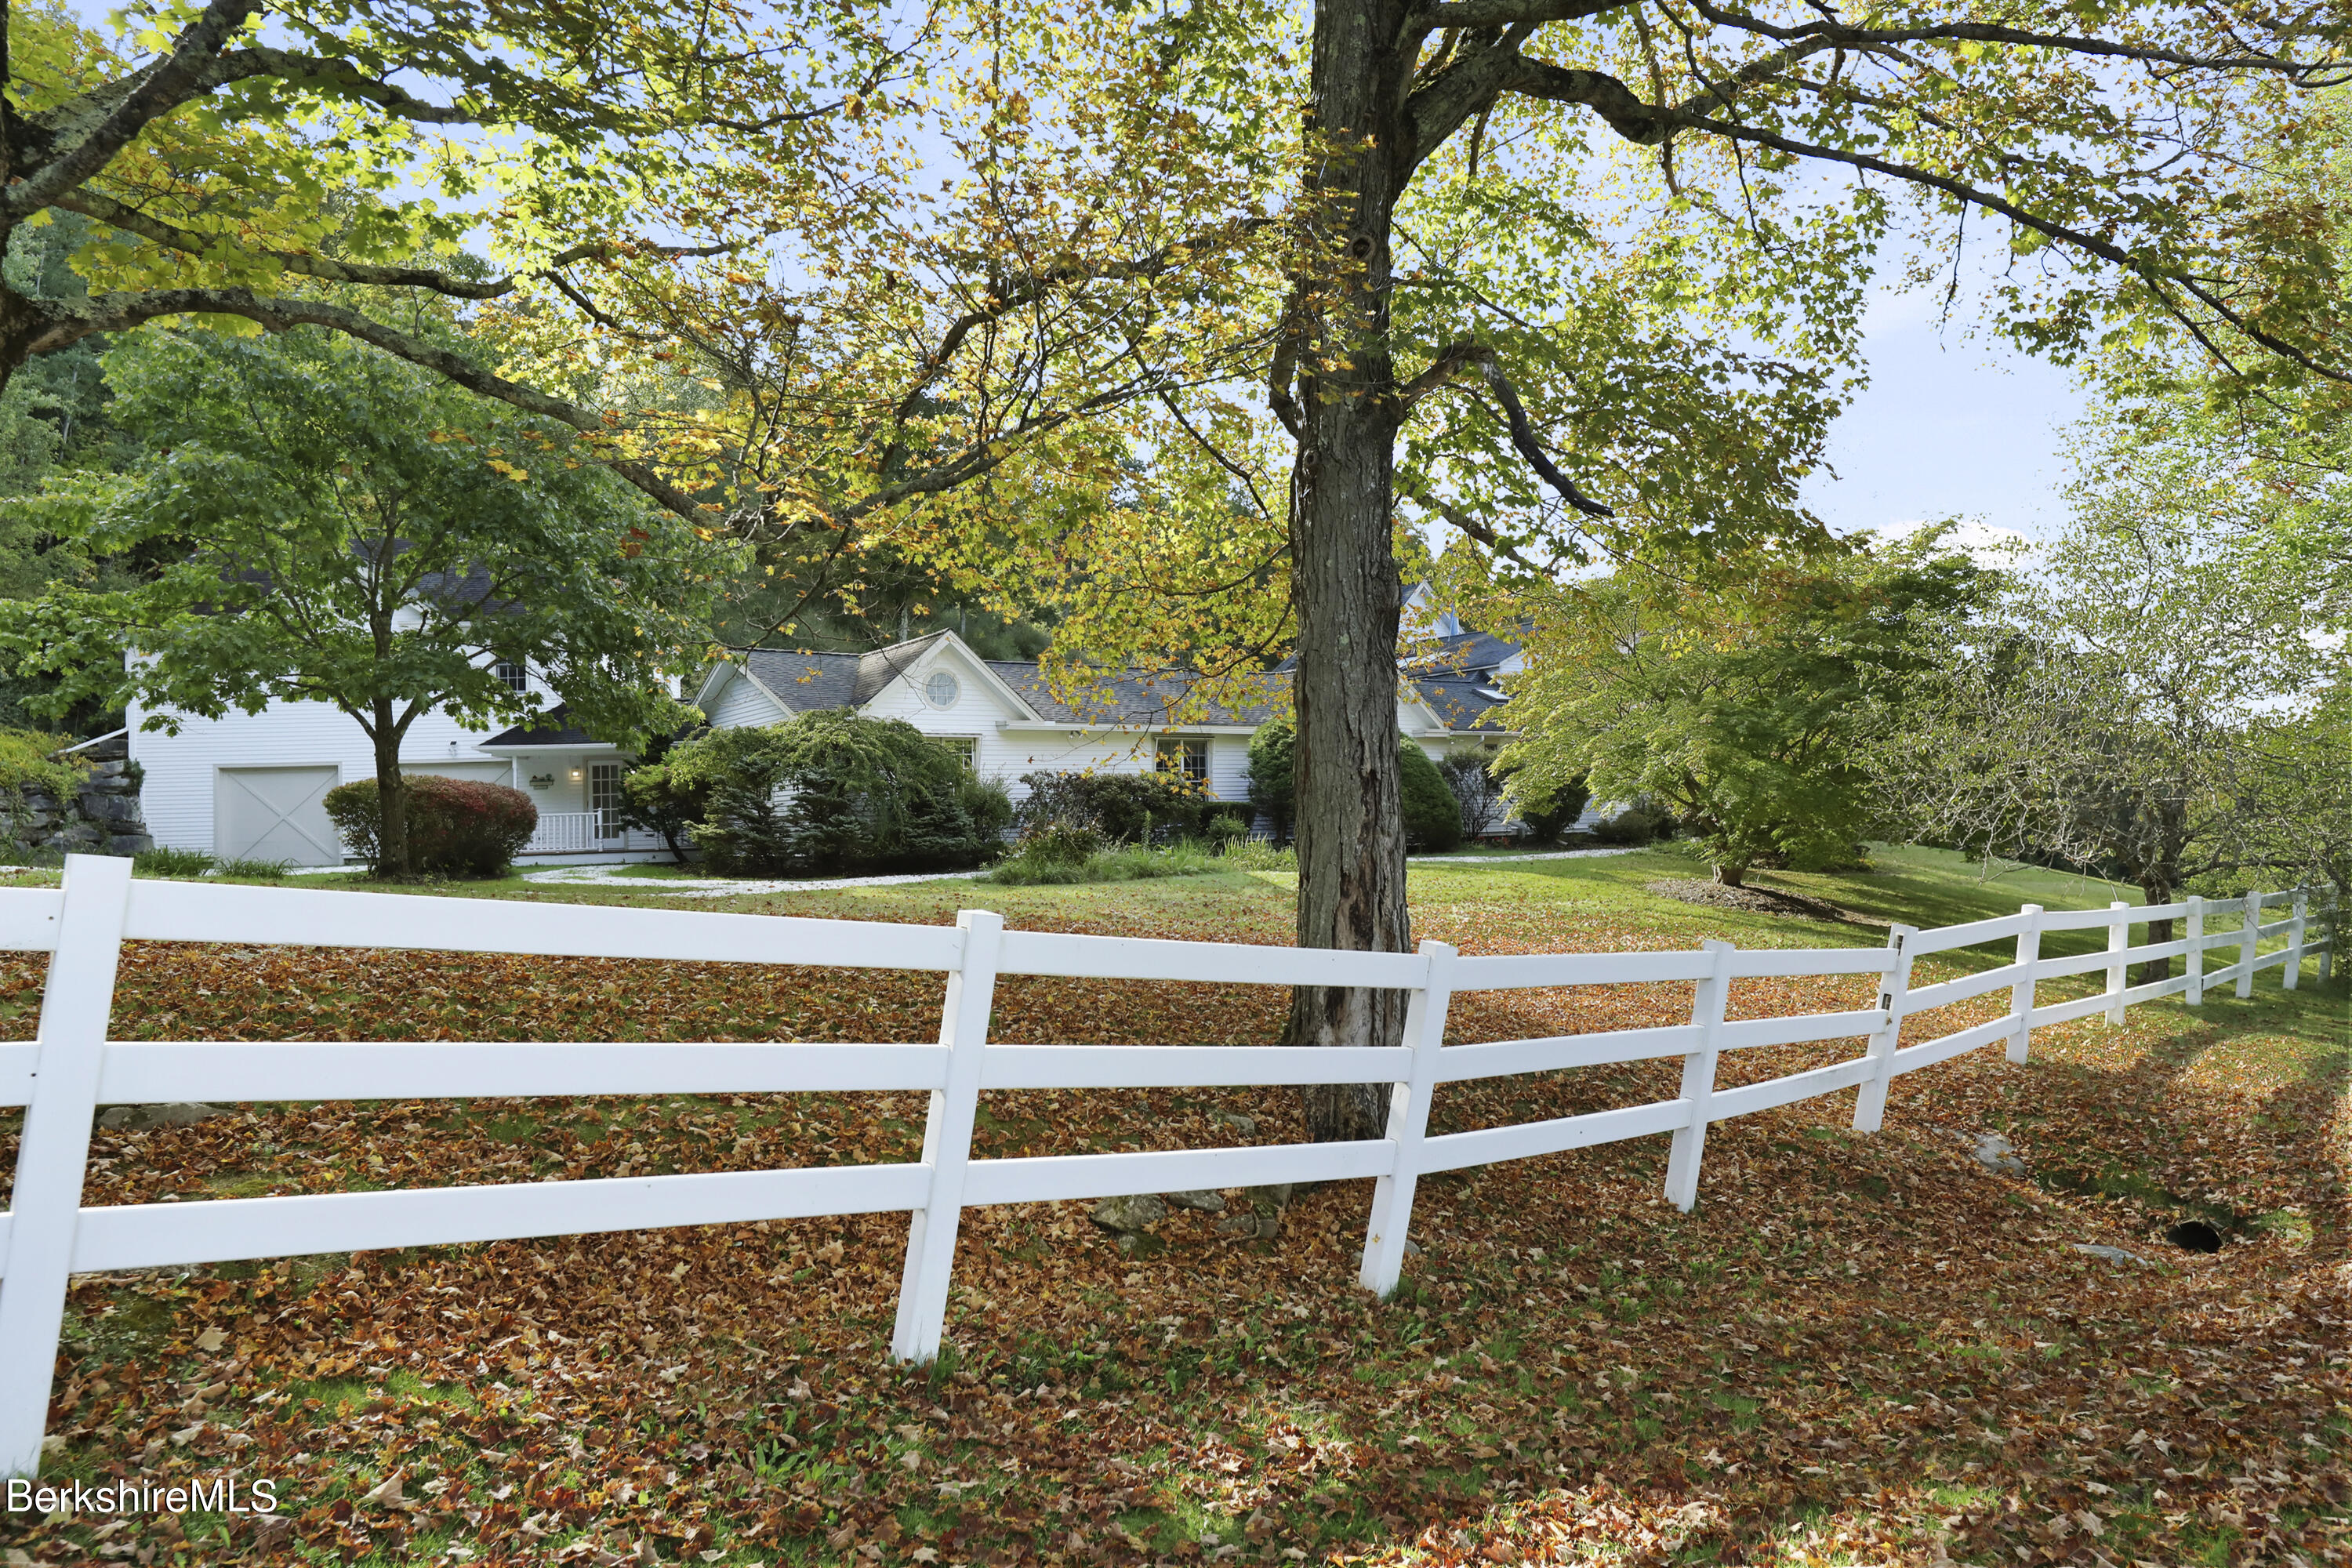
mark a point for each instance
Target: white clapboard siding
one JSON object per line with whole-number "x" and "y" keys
{"x": 73, "y": 1068}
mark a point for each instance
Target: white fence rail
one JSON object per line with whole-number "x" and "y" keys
{"x": 72, "y": 1068}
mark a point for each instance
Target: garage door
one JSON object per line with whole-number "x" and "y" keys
{"x": 275, "y": 813}
{"x": 488, "y": 773}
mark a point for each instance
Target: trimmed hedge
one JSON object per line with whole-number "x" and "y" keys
{"x": 456, "y": 827}
{"x": 1122, "y": 806}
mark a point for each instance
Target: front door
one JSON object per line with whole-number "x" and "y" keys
{"x": 604, "y": 797}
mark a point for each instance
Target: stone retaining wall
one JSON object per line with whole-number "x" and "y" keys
{"x": 101, "y": 817}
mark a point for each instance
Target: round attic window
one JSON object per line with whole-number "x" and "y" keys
{"x": 941, "y": 689}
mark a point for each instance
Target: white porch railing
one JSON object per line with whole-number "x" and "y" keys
{"x": 586, "y": 832}
{"x": 72, "y": 1067}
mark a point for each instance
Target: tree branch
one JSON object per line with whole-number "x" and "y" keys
{"x": 1843, "y": 37}
{"x": 164, "y": 86}
{"x": 120, "y": 311}
{"x": 1459, "y": 356}
{"x": 106, "y": 210}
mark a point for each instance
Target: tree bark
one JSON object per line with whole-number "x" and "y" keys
{"x": 1731, "y": 876}
{"x": 391, "y": 794}
{"x": 1351, "y": 832}
{"x": 2155, "y": 890}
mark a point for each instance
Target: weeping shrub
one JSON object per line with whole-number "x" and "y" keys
{"x": 456, "y": 827}
{"x": 832, "y": 792}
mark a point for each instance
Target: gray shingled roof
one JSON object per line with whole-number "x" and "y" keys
{"x": 1129, "y": 698}
{"x": 1471, "y": 653}
{"x": 807, "y": 682}
{"x": 1464, "y": 704}
{"x": 554, "y": 728}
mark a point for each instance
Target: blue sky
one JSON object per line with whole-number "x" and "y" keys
{"x": 1950, "y": 426}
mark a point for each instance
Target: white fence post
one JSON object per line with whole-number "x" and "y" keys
{"x": 947, "y": 1142}
{"x": 1698, "y": 1080}
{"x": 2196, "y": 996}
{"x": 2249, "y": 942}
{"x": 2295, "y": 939}
{"x": 2119, "y": 938}
{"x": 54, "y": 1152}
{"x": 1870, "y": 1100}
{"x": 1425, "y": 1032}
{"x": 2020, "y": 996}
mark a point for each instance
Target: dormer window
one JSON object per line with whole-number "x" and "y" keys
{"x": 512, "y": 675}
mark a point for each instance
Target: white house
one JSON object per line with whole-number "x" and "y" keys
{"x": 252, "y": 784}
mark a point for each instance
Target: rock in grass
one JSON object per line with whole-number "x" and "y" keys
{"x": 170, "y": 1113}
{"x": 1208, "y": 1203}
{"x": 1130, "y": 1214}
{"x": 1995, "y": 1153}
{"x": 2112, "y": 1254}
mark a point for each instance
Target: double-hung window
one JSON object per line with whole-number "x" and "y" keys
{"x": 1185, "y": 754}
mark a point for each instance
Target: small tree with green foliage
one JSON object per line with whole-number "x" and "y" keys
{"x": 1746, "y": 717}
{"x": 654, "y": 797}
{"x": 355, "y": 531}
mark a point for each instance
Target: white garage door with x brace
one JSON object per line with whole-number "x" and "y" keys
{"x": 276, "y": 814}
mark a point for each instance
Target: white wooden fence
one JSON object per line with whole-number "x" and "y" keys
{"x": 72, "y": 1068}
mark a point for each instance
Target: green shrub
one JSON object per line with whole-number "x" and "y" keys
{"x": 1241, "y": 855}
{"x": 1432, "y": 817}
{"x": 1062, "y": 840}
{"x": 1127, "y": 863}
{"x": 456, "y": 827}
{"x": 1126, "y": 806}
{"x": 990, "y": 804}
{"x": 831, "y": 792}
{"x": 1273, "y": 781}
{"x": 1636, "y": 824}
{"x": 28, "y": 762}
{"x": 167, "y": 862}
{"x": 1549, "y": 817}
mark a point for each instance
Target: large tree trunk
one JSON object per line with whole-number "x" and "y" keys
{"x": 392, "y": 796}
{"x": 1349, "y": 829}
{"x": 2155, "y": 890}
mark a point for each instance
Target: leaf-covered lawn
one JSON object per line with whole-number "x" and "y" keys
{"x": 1859, "y": 1348}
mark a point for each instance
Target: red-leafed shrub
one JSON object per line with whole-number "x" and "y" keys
{"x": 456, "y": 827}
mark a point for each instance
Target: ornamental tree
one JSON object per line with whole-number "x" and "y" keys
{"x": 340, "y": 526}
{"x": 1751, "y": 718}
